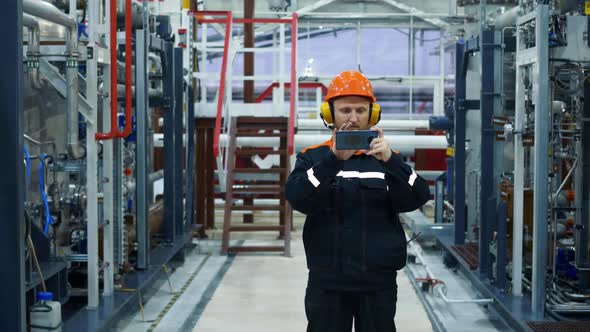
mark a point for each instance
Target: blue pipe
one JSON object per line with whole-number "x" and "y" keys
{"x": 28, "y": 159}
{"x": 48, "y": 217}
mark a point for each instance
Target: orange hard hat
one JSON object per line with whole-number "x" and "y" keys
{"x": 350, "y": 83}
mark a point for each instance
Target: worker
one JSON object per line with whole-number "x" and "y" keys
{"x": 354, "y": 241}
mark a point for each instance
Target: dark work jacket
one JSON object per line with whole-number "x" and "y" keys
{"x": 352, "y": 235}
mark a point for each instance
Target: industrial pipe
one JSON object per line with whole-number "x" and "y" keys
{"x": 114, "y": 131}
{"x": 33, "y": 49}
{"x": 311, "y": 124}
{"x": 402, "y": 143}
{"x": 121, "y": 89}
{"x": 431, "y": 276}
{"x": 121, "y": 74}
{"x": 506, "y": 19}
{"x": 155, "y": 176}
{"x": 50, "y": 13}
{"x": 405, "y": 144}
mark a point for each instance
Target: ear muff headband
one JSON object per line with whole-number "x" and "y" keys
{"x": 327, "y": 113}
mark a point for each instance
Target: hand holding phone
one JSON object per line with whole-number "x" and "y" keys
{"x": 355, "y": 139}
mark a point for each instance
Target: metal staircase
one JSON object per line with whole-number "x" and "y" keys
{"x": 268, "y": 189}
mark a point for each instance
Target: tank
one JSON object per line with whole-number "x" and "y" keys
{"x": 45, "y": 314}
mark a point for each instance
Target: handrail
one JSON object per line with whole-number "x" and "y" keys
{"x": 301, "y": 85}
{"x": 198, "y": 15}
{"x": 114, "y": 131}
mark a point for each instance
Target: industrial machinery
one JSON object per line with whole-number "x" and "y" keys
{"x": 520, "y": 180}
{"x": 98, "y": 75}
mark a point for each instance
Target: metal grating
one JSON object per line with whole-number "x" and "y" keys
{"x": 560, "y": 326}
{"x": 469, "y": 253}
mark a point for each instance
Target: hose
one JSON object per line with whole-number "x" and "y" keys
{"x": 34, "y": 253}
{"x": 48, "y": 217}
{"x": 28, "y": 159}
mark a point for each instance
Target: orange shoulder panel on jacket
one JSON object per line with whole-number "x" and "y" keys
{"x": 327, "y": 143}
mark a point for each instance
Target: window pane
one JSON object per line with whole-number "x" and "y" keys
{"x": 426, "y": 52}
{"x": 327, "y": 52}
{"x": 384, "y": 51}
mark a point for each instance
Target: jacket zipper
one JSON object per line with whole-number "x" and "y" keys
{"x": 363, "y": 231}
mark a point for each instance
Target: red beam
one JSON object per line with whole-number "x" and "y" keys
{"x": 208, "y": 12}
{"x": 261, "y": 20}
{"x": 301, "y": 85}
{"x": 222, "y": 84}
{"x": 211, "y": 20}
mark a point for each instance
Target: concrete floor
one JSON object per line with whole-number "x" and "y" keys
{"x": 264, "y": 293}
{"x": 252, "y": 292}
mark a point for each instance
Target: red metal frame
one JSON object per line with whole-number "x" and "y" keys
{"x": 114, "y": 131}
{"x": 228, "y": 20}
{"x": 199, "y": 16}
{"x": 244, "y": 20}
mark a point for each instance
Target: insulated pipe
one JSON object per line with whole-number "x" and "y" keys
{"x": 121, "y": 74}
{"x": 405, "y": 144}
{"x": 33, "y": 49}
{"x": 50, "y": 13}
{"x": 152, "y": 93}
{"x": 506, "y": 19}
{"x": 311, "y": 124}
{"x": 155, "y": 176}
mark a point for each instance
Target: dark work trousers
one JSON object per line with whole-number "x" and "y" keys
{"x": 334, "y": 311}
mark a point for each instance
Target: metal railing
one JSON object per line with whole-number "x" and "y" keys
{"x": 223, "y": 111}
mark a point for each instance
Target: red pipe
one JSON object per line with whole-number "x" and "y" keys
{"x": 291, "y": 129}
{"x": 114, "y": 131}
{"x": 217, "y": 134}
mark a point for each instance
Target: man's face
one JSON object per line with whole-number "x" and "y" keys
{"x": 353, "y": 109}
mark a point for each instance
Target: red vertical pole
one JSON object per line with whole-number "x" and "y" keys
{"x": 228, "y": 21}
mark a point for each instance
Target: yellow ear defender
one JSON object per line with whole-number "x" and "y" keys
{"x": 327, "y": 112}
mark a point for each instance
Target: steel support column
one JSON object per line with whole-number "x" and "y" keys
{"x": 460, "y": 112}
{"x": 501, "y": 246}
{"x": 178, "y": 142}
{"x": 168, "y": 108}
{"x": 190, "y": 159}
{"x": 142, "y": 170}
{"x": 542, "y": 118}
{"x": 541, "y": 163}
{"x": 487, "y": 49}
{"x": 582, "y": 181}
{"x": 12, "y": 294}
{"x": 92, "y": 175}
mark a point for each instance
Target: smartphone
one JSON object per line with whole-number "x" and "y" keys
{"x": 355, "y": 139}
